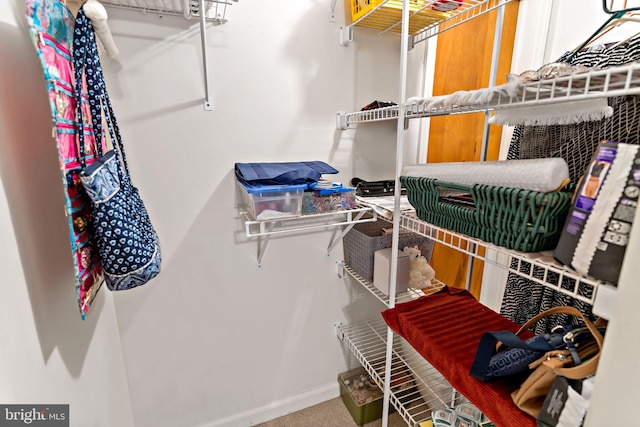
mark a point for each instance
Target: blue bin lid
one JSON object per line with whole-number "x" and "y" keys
{"x": 260, "y": 188}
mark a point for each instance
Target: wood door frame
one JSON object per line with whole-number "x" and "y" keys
{"x": 463, "y": 62}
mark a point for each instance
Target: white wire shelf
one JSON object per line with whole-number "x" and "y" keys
{"x": 417, "y": 388}
{"x": 263, "y": 230}
{"x": 426, "y": 18}
{"x": 346, "y": 272}
{"x": 605, "y": 83}
{"x": 539, "y": 267}
{"x": 216, "y": 10}
{"x": 302, "y": 223}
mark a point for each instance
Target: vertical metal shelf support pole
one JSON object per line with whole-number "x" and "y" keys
{"x": 402, "y": 96}
{"x": 208, "y": 105}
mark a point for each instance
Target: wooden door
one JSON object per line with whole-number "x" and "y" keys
{"x": 463, "y": 62}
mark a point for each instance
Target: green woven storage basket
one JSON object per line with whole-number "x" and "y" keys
{"x": 528, "y": 221}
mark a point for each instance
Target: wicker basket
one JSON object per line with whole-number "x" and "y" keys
{"x": 524, "y": 220}
{"x": 364, "y": 239}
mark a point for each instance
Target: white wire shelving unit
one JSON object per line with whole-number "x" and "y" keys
{"x": 341, "y": 221}
{"x": 215, "y": 10}
{"x": 605, "y": 83}
{"x": 426, "y": 18}
{"x": 417, "y": 387}
{"x": 345, "y": 271}
{"x": 539, "y": 267}
{"x": 206, "y": 11}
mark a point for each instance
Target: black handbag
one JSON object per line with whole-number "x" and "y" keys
{"x": 127, "y": 242}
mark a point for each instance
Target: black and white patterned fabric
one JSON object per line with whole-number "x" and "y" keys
{"x": 126, "y": 240}
{"x": 576, "y": 144}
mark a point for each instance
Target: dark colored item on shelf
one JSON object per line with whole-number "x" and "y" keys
{"x": 557, "y": 403}
{"x": 576, "y": 362}
{"x": 377, "y": 104}
{"x": 525, "y": 220}
{"x": 595, "y": 236}
{"x": 285, "y": 173}
{"x": 516, "y": 355}
{"x": 380, "y": 188}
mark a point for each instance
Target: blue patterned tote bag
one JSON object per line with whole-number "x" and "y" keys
{"x": 126, "y": 240}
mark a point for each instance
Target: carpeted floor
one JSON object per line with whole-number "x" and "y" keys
{"x": 331, "y": 413}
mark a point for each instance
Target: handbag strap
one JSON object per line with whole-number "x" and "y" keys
{"x": 87, "y": 60}
{"x": 584, "y": 369}
{"x": 491, "y": 341}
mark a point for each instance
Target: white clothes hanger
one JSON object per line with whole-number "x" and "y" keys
{"x": 96, "y": 12}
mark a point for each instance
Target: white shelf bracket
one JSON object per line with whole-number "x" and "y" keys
{"x": 351, "y": 222}
{"x": 340, "y": 269}
{"x": 346, "y": 35}
{"x": 263, "y": 241}
{"x": 341, "y": 121}
{"x": 208, "y": 105}
{"x": 332, "y": 11}
{"x": 338, "y": 331}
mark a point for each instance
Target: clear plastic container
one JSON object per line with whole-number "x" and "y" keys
{"x": 270, "y": 202}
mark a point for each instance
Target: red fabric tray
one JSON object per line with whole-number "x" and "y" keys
{"x": 445, "y": 328}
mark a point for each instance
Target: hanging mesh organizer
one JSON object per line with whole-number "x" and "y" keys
{"x": 575, "y": 143}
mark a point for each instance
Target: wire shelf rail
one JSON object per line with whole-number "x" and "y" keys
{"x": 426, "y": 18}
{"x": 345, "y": 271}
{"x": 539, "y": 267}
{"x": 417, "y": 387}
{"x": 595, "y": 84}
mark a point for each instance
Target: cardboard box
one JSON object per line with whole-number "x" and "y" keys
{"x": 382, "y": 271}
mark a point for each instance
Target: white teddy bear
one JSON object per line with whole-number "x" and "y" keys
{"x": 420, "y": 272}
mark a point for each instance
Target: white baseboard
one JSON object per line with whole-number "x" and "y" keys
{"x": 279, "y": 408}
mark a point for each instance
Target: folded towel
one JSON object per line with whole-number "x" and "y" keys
{"x": 565, "y": 113}
{"x": 465, "y": 98}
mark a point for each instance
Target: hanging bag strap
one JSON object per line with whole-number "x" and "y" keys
{"x": 586, "y": 368}
{"x": 87, "y": 60}
{"x": 491, "y": 341}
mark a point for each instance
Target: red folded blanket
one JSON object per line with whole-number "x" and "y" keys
{"x": 446, "y": 328}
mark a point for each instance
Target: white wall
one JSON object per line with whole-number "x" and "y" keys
{"x": 48, "y": 354}
{"x": 213, "y": 341}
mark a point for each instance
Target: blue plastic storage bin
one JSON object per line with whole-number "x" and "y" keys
{"x": 270, "y": 202}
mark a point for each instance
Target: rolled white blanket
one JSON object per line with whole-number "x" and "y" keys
{"x": 544, "y": 175}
